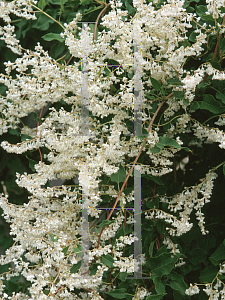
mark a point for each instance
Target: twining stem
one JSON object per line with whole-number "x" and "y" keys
{"x": 48, "y": 16}
{"x": 214, "y": 56}
{"x": 96, "y": 23}
{"x": 139, "y": 153}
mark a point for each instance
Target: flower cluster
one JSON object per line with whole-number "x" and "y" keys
{"x": 190, "y": 199}
{"x": 48, "y": 229}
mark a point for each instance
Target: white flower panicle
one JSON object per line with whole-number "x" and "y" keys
{"x": 182, "y": 206}
{"x": 47, "y": 230}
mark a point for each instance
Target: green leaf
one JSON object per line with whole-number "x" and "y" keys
{"x": 160, "y": 286}
{"x": 144, "y": 133}
{"x": 107, "y": 260}
{"x": 202, "y": 85}
{"x": 14, "y": 131}
{"x": 57, "y": 2}
{"x": 198, "y": 255}
{"x": 53, "y": 237}
{"x": 209, "y": 103}
{"x": 218, "y": 255}
{"x": 160, "y": 226}
{"x": 41, "y": 4}
{"x": 186, "y": 102}
{"x": 174, "y": 276}
{"x": 192, "y": 37}
{"x": 141, "y": 137}
{"x": 155, "y": 297}
{"x": 46, "y": 292}
{"x": 161, "y": 250}
{"x": 166, "y": 141}
{"x": 84, "y": 2}
{"x": 222, "y": 45}
{"x": 130, "y": 75}
{"x": 186, "y": 149}
{"x": 208, "y": 274}
{"x": 214, "y": 261}
{"x": 106, "y": 69}
{"x": 161, "y": 189}
{"x": 59, "y": 48}
{"x": 156, "y": 84}
{"x": 179, "y": 285}
{"x": 36, "y": 117}
{"x": 61, "y": 7}
{"x": 75, "y": 267}
{"x": 2, "y": 89}
{"x": 153, "y": 203}
{"x": 113, "y": 88}
{"x": 179, "y": 94}
{"x": 201, "y": 11}
{"x": 150, "y": 96}
{"x": 194, "y": 106}
{"x": 156, "y": 179}
{"x": 105, "y": 223}
{"x": 15, "y": 164}
{"x": 120, "y": 176}
{"x": 78, "y": 250}
{"x": 52, "y": 36}
{"x": 174, "y": 81}
{"x": 221, "y": 96}
{"x": 162, "y": 264}
{"x": 155, "y": 149}
{"x": 94, "y": 268}
{"x": 65, "y": 250}
{"x": 128, "y": 191}
{"x": 25, "y": 137}
{"x": 43, "y": 22}
{"x": 131, "y": 10}
{"x": 177, "y": 295}
{"x": 123, "y": 276}
{"x": 151, "y": 247}
{"x": 32, "y": 163}
{"x": 118, "y": 294}
{"x": 119, "y": 233}
{"x": 130, "y": 125}
{"x": 224, "y": 169}
{"x": 207, "y": 98}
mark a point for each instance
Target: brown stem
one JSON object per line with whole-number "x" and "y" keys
{"x": 152, "y": 287}
{"x": 96, "y": 23}
{"x": 128, "y": 175}
{"x": 157, "y": 244}
{"x": 214, "y": 56}
{"x": 108, "y": 282}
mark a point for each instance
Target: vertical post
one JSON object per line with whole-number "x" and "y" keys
{"x": 138, "y": 132}
{"x": 137, "y": 225}
{"x": 137, "y": 222}
{"x": 84, "y": 88}
{"x": 84, "y": 171}
{"x": 137, "y": 82}
{"x": 85, "y": 224}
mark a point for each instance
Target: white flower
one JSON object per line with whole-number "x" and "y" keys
{"x": 47, "y": 230}
{"x": 192, "y": 290}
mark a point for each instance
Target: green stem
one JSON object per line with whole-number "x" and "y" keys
{"x": 48, "y": 16}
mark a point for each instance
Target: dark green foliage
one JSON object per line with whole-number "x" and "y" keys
{"x": 202, "y": 253}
